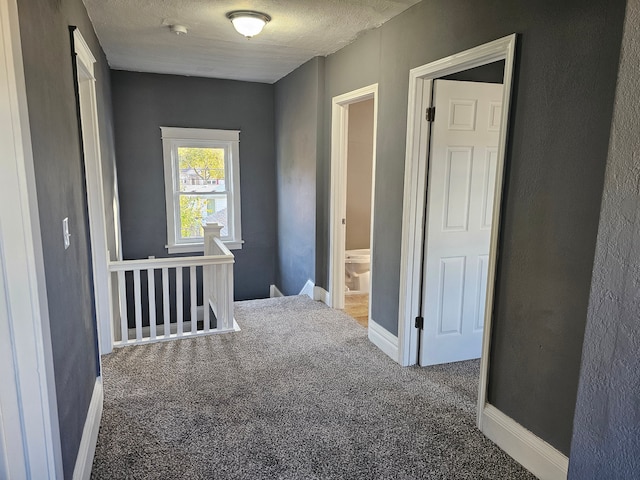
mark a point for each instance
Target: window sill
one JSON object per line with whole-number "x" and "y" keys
{"x": 199, "y": 247}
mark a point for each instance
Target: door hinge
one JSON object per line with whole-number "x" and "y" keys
{"x": 431, "y": 114}
{"x": 419, "y": 323}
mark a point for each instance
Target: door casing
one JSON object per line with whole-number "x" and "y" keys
{"x": 415, "y": 185}
{"x": 95, "y": 192}
{"x": 338, "y": 197}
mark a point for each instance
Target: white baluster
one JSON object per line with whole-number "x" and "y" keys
{"x": 137, "y": 304}
{"x": 179, "y": 296}
{"x": 193, "y": 289}
{"x": 124, "y": 320}
{"x": 151, "y": 292}
{"x": 229, "y": 297}
{"x": 166, "y": 311}
{"x": 206, "y": 294}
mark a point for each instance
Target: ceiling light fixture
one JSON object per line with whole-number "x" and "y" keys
{"x": 178, "y": 29}
{"x": 248, "y": 22}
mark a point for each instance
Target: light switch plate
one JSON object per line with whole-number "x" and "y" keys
{"x": 65, "y": 233}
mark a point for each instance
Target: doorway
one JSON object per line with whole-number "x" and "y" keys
{"x": 353, "y": 143}
{"x": 418, "y": 173}
{"x": 94, "y": 188}
{"x": 465, "y": 122}
{"x": 358, "y": 211}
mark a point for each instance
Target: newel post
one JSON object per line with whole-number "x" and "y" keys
{"x": 211, "y": 230}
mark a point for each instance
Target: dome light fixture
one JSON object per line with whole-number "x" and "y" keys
{"x": 247, "y": 22}
{"x": 178, "y": 29}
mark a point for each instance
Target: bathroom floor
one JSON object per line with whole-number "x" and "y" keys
{"x": 356, "y": 305}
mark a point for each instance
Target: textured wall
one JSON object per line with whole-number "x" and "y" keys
{"x": 298, "y": 103}
{"x": 359, "y": 171}
{"x": 59, "y": 171}
{"x": 606, "y": 435}
{"x": 142, "y": 103}
{"x": 565, "y": 70}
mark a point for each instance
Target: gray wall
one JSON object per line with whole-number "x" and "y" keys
{"x": 606, "y": 439}
{"x": 566, "y": 70}
{"x": 359, "y": 175}
{"x": 298, "y": 98}
{"x": 59, "y": 171}
{"x": 144, "y": 102}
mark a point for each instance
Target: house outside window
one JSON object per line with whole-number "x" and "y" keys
{"x": 202, "y": 183}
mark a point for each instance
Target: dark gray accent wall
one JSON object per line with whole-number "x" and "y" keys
{"x": 606, "y": 439}
{"x": 144, "y": 102}
{"x": 298, "y": 98}
{"x": 566, "y": 70}
{"x": 59, "y": 171}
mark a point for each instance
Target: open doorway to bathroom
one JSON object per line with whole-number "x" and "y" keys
{"x": 359, "y": 206}
{"x": 352, "y": 201}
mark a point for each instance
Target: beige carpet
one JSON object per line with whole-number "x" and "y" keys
{"x": 299, "y": 393}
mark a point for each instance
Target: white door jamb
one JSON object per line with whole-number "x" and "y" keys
{"x": 338, "y": 196}
{"x": 30, "y": 443}
{"x": 95, "y": 192}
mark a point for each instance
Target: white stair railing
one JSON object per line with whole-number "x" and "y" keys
{"x": 217, "y": 293}
{"x": 219, "y": 281}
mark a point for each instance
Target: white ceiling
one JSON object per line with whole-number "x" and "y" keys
{"x": 135, "y": 34}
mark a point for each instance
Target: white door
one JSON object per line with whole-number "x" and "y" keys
{"x": 462, "y": 175}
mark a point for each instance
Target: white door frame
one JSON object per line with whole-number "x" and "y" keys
{"x": 338, "y": 192}
{"x": 415, "y": 185}
{"x": 30, "y": 443}
{"x": 95, "y": 191}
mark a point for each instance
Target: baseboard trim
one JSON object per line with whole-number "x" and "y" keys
{"x": 383, "y": 339}
{"x": 84, "y": 460}
{"x": 533, "y": 453}
{"x": 321, "y": 295}
{"x": 308, "y": 290}
{"x": 274, "y": 292}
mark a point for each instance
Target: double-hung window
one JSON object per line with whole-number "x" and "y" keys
{"x": 202, "y": 183}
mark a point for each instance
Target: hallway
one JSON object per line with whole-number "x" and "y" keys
{"x": 298, "y": 393}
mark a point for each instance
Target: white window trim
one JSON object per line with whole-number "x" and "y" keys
{"x": 172, "y": 136}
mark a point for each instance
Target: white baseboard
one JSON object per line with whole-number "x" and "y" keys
{"x": 274, "y": 292}
{"x": 321, "y": 295}
{"x": 308, "y": 290}
{"x": 383, "y": 339}
{"x": 533, "y": 453}
{"x": 84, "y": 460}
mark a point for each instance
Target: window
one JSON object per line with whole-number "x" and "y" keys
{"x": 202, "y": 182}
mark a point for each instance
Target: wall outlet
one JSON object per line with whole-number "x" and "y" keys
{"x": 65, "y": 232}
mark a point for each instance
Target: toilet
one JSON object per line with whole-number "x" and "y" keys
{"x": 357, "y": 264}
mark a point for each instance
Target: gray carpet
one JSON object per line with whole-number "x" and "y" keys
{"x": 299, "y": 393}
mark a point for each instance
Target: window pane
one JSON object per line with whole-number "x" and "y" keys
{"x": 196, "y": 208}
{"x": 201, "y": 169}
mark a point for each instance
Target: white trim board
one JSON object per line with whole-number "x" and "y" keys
{"x": 87, "y": 449}
{"x": 533, "y": 453}
{"x": 383, "y": 339}
{"x": 274, "y": 292}
{"x": 321, "y": 295}
{"x": 308, "y": 290}
{"x": 34, "y": 450}
{"x": 90, "y": 131}
{"x": 338, "y": 197}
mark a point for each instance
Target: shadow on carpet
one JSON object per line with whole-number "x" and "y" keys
{"x": 299, "y": 393}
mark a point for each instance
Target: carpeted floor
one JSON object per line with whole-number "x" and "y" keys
{"x": 299, "y": 393}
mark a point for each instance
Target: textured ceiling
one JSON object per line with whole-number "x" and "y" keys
{"x": 135, "y": 34}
